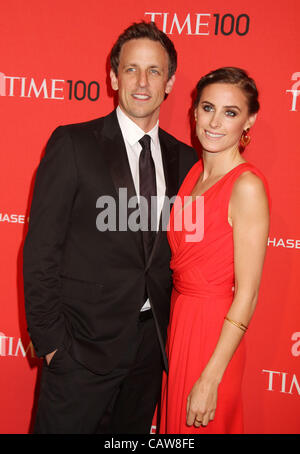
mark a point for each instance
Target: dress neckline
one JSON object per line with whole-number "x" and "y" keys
{"x": 221, "y": 179}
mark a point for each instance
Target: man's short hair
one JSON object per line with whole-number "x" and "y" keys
{"x": 144, "y": 30}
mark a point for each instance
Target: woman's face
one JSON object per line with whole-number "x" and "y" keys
{"x": 221, "y": 116}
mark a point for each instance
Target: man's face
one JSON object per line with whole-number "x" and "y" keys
{"x": 142, "y": 80}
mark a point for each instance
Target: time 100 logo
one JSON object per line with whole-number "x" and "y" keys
{"x": 201, "y": 24}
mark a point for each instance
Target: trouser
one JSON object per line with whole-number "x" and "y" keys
{"x": 74, "y": 400}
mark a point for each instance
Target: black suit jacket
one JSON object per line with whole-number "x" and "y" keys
{"x": 83, "y": 287}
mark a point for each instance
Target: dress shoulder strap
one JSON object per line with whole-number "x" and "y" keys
{"x": 235, "y": 174}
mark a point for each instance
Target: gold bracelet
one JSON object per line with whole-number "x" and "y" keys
{"x": 238, "y": 324}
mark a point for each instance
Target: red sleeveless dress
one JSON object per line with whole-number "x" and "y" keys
{"x": 203, "y": 280}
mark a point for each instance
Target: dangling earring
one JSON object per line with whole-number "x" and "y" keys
{"x": 245, "y": 139}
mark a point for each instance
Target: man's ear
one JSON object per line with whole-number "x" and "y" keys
{"x": 170, "y": 84}
{"x": 114, "y": 80}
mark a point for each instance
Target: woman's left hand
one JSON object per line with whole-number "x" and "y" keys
{"x": 202, "y": 402}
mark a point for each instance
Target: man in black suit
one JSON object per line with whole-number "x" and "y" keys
{"x": 97, "y": 295}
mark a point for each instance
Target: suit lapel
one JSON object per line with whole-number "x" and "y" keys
{"x": 171, "y": 171}
{"x": 170, "y": 163}
{"x": 113, "y": 147}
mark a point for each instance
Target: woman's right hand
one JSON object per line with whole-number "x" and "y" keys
{"x": 202, "y": 402}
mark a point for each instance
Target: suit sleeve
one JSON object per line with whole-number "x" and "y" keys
{"x": 54, "y": 192}
{"x": 188, "y": 158}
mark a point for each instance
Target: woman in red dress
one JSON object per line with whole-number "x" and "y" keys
{"x": 216, "y": 275}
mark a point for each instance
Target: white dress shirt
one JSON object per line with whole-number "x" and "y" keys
{"x": 132, "y": 133}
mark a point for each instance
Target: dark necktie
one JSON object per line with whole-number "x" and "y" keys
{"x": 147, "y": 189}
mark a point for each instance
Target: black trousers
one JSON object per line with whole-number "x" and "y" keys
{"x": 74, "y": 400}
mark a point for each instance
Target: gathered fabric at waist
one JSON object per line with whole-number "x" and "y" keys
{"x": 199, "y": 287}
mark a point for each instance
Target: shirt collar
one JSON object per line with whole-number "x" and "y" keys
{"x": 132, "y": 133}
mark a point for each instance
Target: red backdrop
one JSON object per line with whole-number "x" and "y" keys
{"x": 54, "y": 71}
